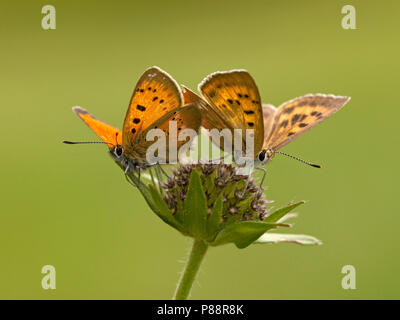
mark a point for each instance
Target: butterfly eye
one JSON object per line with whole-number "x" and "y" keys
{"x": 261, "y": 155}
{"x": 118, "y": 151}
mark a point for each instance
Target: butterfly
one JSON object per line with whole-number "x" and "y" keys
{"x": 157, "y": 99}
{"x": 231, "y": 100}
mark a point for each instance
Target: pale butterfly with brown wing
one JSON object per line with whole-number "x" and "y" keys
{"x": 231, "y": 100}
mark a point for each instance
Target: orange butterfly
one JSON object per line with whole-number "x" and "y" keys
{"x": 156, "y": 100}
{"x": 231, "y": 100}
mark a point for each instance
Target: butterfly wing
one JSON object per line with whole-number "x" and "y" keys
{"x": 234, "y": 96}
{"x": 269, "y": 112}
{"x": 299, "y": 115}
{"x": 186, "y": 117}
{"x": 155, "y": 95}
{"x": 211, "y": 118}
{"x": 105, "y": 132}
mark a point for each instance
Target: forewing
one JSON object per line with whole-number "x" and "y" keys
{"x": 235, "y": 97}
{"x": 155, "y": 95}
{"x": 299, "y": 115}
{"x": 186, "y": 117}
{"x": 105, "y": 132}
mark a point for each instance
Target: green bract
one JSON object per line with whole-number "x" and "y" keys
{"x": 211, "y": 203}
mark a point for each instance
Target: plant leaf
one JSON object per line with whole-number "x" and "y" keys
{"x": 280, "y": 213}
{"x": 160, "y": 208}
{"x": 195, "y": 208}
{"x": 287, "y": 217}
{"x": 293, "y": 238}
{"x": 215, "y": 219}
{"x": 243, "y": 233}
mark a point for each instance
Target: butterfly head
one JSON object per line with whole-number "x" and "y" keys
{"x": 117, "y": 151}
{"x": 265, "y": 155}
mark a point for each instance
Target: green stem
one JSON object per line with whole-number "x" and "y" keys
{"x": 192, "y": 266}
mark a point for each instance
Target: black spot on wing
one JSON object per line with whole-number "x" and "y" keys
{"x": 298, "y": 117}
{"x": 289, "y": 110}
{"x": 284, "y": 123}
{"x": 303, "y": 116}
{"x": 302, "y": 103}
{"x": 316, "y": 114}
{"x": 295, "y": 118}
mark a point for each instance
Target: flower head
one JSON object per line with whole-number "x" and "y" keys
{"x": 212, "y": 203}
{"x": 242, "y": 200}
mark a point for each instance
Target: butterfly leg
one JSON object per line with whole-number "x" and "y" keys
{"x": 126, "y": 172}
{"x": 264, "y": 175}
{"x": 130, "y": 177}
{"x": 163, "y": 171}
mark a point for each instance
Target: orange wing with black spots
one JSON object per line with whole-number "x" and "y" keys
{"x": 107, "y": 133}
{"x": 234, "y": 97}
{"x": 186, "y": 117}
{"x": 299, "y": 115}
{"x": 211, "y": 118}
{"x": 155, "y": 94}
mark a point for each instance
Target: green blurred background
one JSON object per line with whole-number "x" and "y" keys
{"x": 70, "y": 206}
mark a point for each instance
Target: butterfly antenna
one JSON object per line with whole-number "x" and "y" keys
{"x": 298, "y": 159}
{"x": 116, "y": 138}
{"x": 86, "y": 142}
